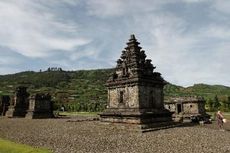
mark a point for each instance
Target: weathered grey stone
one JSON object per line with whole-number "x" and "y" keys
{"x": 187, "y": 108}
{"x": 19, "y": 103}
{"x": 40, "y": 106}
{"x": 4, "y": 104}
{"x": 135, "y": 92}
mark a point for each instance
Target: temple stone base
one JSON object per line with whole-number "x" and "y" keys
{"x": 135, "y": 117}
{"x": 15, "y": 112}
{"x": 38, "y": 115}
{"x": 143, "y": 120}
{"x": 140, "y": 122}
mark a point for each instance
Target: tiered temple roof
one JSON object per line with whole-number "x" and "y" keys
{"x": 133, "y": 64}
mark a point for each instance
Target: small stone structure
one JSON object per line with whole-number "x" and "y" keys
{"x": 135, "y": 92}
{"x": 40, "y": 106}
{"x": 187, "y": 108}
{"x": 4, "y": 104}
{"x": 35, "y": 106}
{"x": 19, "y": 104}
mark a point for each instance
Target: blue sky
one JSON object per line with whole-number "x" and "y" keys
{"x": 187, "y": 40}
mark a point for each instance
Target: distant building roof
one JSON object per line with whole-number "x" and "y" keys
{"x": 185, "y": 99}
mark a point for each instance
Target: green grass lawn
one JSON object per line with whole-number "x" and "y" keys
{"x": 226, "y": 115}
{"x": 12, "y": 147}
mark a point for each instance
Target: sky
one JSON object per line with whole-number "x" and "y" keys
{"x": 187, "y": 40}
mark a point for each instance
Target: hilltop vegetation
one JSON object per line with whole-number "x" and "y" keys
{"x": 77, "y": 90}
{"x": 216, "y": 96}
{"x": 85, "y": 90}
{"x": 204, "y": 90}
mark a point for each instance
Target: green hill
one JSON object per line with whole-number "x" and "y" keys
{"x": 204, "y": 90}
{"x": 85, "y": 90}
{"x": 78, "y": 90}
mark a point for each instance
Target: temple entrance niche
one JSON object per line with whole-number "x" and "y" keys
{"x": 179, "y": 108}
{"x": 135, "y": 92}
{"x": 121, "y": 97}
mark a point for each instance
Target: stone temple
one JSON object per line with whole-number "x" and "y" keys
{"x": 135, "y": 91}
{"x": 187, "y": 108}
{"x": 22, "y": 104}
{"x": 19, "y": 104}
{"x": 40, "y": 106}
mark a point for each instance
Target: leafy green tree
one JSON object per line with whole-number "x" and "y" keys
{"x": 209, "y": 104}
{"x": 223, "y": 106}
{"x": 216, "y": 103}
{"x": 228, "y": 103}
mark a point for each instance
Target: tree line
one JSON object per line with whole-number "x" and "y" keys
{"x": 218, "y": 103}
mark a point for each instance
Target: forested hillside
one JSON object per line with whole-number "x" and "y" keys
{"x": 85, "y": 90}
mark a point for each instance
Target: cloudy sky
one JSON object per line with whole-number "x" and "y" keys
{"x": 187, "y": 40}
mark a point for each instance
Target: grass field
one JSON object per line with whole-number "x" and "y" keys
{"x": 226, "y": 115}
{"x": 12, "y": 147}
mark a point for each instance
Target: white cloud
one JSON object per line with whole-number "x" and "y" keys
{"x": 217, "y": 31}
{"x": 105, "y": 8}
{"x": 5, "y": 61}
{"x": 222, "y": 6}
{"x": 187, "y": 41}
{"x": 194, "y": 1}
{"x": 186, "y": 55}
{"x": 30, "y": 29}
{"x": 183, "y": 53}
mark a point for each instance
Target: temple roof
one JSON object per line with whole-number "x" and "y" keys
{"x": 133, "y": 63}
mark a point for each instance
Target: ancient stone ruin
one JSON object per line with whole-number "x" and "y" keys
{"x": 187, "y": 108}
{"x": 135, "y": 92}
{"x": 23, "y": 105}
{"x": 40, "y": 106}
{"x": 19, "y": 104}
{"x": 4, "y": 104}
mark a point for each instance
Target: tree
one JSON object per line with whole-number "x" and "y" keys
{"x": 209, "y": 104}
{"x": 224, "y": 106}
{"x": 216, "y": 103}
{"x": 228, "y": 103}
